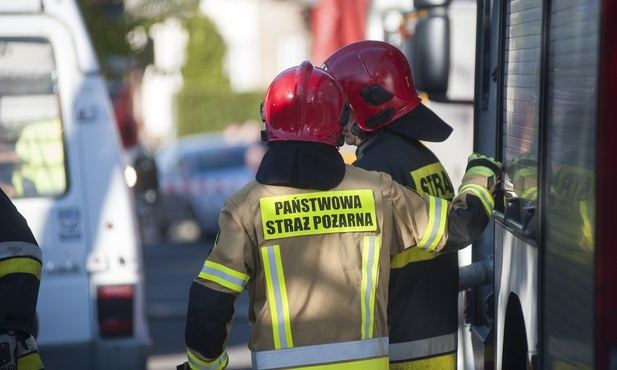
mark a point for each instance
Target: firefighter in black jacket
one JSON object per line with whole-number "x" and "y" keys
{"x": 20, "y": 274}
{"x": 389, "y": 115}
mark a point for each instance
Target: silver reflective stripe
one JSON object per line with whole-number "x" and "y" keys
{"x": 279, "y": 309}
{"x": 225, "y": 276}
{"x": 20, "y": 249}
{"x": 369, "y": 276}
{"x": 199, "y": 364}
{"x": 423, "y": 348}
{"x": 320, "y": 354}
{"x": 431, "y": 236}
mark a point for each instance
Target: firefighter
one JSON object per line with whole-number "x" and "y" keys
{"x": 389, "y": 115}
{"x": 20, "y": 274}
{"x": 310, "y": 239}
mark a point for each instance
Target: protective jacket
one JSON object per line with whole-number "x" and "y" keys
{"x": 316, "y": 263}
{"x": 20, "y": 274}
{"x": 423, "y": 299}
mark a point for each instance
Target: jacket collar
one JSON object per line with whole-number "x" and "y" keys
{"x": 302, "y": 165}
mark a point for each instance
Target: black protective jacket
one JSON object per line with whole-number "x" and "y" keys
{"x": 423, "y": 294}
{"x": 20, "y": 270}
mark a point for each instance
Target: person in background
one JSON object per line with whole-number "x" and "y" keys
{"x": 20, "y": 275}
{"x": 392, "y": 122}
{"x": 311, "y": 237}
{"x": 40, "y": 148}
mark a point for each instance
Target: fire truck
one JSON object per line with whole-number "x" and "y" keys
{"x": 541, "y": 292}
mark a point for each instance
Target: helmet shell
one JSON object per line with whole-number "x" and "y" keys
{"x": 377, "y": 79}
{"x": 304, "y": 103}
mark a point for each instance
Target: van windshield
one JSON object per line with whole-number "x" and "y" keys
{"x": 32, "y": 160}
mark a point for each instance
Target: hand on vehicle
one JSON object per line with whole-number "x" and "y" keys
{"x": 480, "y": 164}
{"x": 523, "y": 173}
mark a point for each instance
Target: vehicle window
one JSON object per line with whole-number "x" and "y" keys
{"x": 32, "y": 161}
{"x": 521, "y": 101}
{"x": 220, "y": 159}
{"x": 569, "y": 236}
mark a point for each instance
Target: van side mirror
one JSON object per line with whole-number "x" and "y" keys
{"x": 430, "y": 54}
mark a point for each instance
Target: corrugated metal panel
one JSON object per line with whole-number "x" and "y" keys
{"x": 521, "y": 92}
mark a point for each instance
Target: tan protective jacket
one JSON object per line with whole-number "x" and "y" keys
{"x": 316, "y": 267}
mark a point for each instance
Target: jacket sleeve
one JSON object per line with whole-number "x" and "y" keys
{"x": 437, "y": 225}
{"x": 213, "y": 294}
{"x": 20, "y": 269}
{"x": 469, "y": 213}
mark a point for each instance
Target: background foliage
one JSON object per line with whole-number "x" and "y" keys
{"x": 206, "y": 102}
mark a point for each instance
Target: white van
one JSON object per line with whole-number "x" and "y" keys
{"x": 61, "y": 162}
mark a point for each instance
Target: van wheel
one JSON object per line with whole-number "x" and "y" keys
{"x": 515, "y": 346}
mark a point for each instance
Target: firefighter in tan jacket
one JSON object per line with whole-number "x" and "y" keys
{"x": 311, "y": 238}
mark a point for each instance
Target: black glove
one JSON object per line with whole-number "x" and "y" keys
{"x": 478, "y": 164}
{"x": 523, "y": 173}
{"x": 184, "y": 366}
{"x": 480, "y": 160}
{"x": 18, "y": 348}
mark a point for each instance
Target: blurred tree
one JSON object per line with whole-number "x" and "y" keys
{"x": 120, "y": 38}
{"x": 206, "y": 102}
{"x": 120, "y": 35}
{"x": 205, "y": 53}
{"x": 108, "y": 28}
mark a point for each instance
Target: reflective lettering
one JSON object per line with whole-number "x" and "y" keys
{"x": 318, "y": 213}
{"x": 433, "y": 180}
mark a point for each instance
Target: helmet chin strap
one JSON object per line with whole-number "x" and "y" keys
{"x": 345, "y": 115}
{"x": 357, "y": 131}
{"x": 341, "y": 140}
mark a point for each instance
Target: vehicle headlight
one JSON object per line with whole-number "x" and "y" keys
{"x": 130, "y": 176}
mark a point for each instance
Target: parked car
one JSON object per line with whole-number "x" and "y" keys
{"x": 196, "y": 174}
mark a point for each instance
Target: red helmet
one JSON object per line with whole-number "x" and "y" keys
{"x": 304, "y": 103}
{"x": 377, "y": 79}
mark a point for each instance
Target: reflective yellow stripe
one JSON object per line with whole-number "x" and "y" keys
{"x": 22, "y": 265}
{"x": 318, "y": 213}
{"x": 435, "y": 363}
{"x": 277, "y": 296}
{"x": 331, "y": 356}
{"x": 479, "y": 170}
{"x": 199, "y": 364}
{"x": 371, "y": 364}
{"x": 587, "y": 233}
{"x": 370, "y": 265}
{"x": 560, "y": 364}
{"x": 411, "y": 255}
{"x": 530, "y": 194}
{"x": 437, "y": 213}
{"x": 30, "y": 361}
{"x": 423, "y": 348}
{"x": 482, "y": 193}
{"x": 223, "y": 275}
